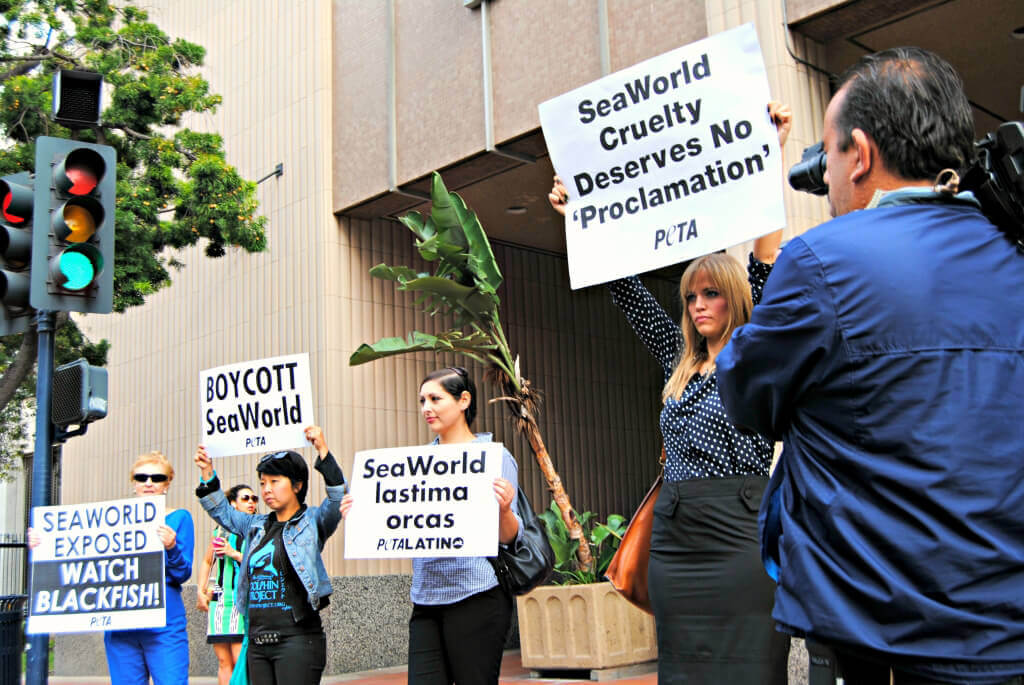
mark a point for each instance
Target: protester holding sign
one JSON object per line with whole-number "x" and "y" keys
{"x": 460, "y": 614}
{"x": 135, "y": 656}
{"x": 282, "y": 583}
{"x": 711, "y": 598}
{"x": 226, "y": 626}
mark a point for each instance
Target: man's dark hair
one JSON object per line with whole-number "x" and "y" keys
{"x": 911, "y": 102}
{"x": 232, "y": 494}
{"x": 455, "y": 380}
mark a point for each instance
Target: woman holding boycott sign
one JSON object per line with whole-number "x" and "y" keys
{"x": 135, "y": 656}
{"x": 460, "y": 615}
{"x": 282, "y": 581}
{"x": 711, "y": 598}
{"x": 226, "y": 626}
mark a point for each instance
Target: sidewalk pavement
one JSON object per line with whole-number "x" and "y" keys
{"x": 512, "y": 671}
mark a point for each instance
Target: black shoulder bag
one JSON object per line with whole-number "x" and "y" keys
{"x": 525, "y": 564}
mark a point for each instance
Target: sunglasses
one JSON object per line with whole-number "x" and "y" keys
{"x": 154, "y": 477}
{"x": 270, "y": 457}
{"x": 248, "y": 498}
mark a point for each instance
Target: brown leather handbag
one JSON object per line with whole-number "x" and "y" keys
{"x": 628, "y": 568}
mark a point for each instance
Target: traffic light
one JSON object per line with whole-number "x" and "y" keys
{"x": 15, "y": 251}
{"x": 73, "y": 237}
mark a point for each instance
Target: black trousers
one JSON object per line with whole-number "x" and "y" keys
{"x": 295, "y": 660}
{"x": 712, "y": 598}
{"x": 461, "y": 642}
{"x": 828, "y": 664}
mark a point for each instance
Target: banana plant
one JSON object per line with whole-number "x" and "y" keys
{"x": 603, "y": 538}
{"x": 464, "y": 287}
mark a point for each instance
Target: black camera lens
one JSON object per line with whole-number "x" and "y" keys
{"x": 808, "y": 175}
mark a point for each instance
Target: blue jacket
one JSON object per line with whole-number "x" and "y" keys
{"x": 304, "y": 538}
{"x": 888, "y": 355}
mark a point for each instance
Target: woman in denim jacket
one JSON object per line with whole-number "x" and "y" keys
{"x": 283, "y": 593}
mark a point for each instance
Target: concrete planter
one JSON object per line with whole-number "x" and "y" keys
{"x": 583, "y": 627}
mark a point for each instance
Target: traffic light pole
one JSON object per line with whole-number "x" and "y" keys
{"x": 37, "y": 670}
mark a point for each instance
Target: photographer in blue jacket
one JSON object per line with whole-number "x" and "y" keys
{"x": 888, "y": 355}
{"x": 282, "y": 582}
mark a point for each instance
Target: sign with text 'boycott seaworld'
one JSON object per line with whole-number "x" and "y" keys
{"x": 667, "y": 160}
{"x": 424, "y": 501}
{"x": 99, "y": 566}
{"x": 258, "y": 406}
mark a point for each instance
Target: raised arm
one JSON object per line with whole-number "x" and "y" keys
{"x": 214, "y": 501}
{"x": 766, "y": 248}
{"x": 659, "y": 333}
{"x": 328, "y": 514}
{"x": 655, "y": 328}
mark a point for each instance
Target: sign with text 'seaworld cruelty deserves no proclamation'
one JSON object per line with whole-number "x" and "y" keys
{"x": 99, "y": 566}
{"x": 667, "y": 160}
{"x": 424, "y": 501}
{"x": 257, "y": 406}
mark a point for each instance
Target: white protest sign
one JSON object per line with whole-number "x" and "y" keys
{"x": 99, "y": 566}
{"x": 257, "y": 406}
{"x": 667, "y": 160}
{"x": 424, "y": 501}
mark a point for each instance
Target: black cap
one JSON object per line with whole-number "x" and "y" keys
{"x": 289, "y": 464}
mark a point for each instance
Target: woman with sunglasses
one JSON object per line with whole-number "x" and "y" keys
{"x": 460, "y": 615}
{"x": 135, "y": 656}
{"x": 226, "y": 626}
{"x": 282, "y": 581}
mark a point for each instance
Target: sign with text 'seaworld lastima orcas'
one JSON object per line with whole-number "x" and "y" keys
{"x": 258, "y": 406}
{"x": 99, "y": 566}
{"x": 424, "y": 501}
{"x": 667, "y": 160}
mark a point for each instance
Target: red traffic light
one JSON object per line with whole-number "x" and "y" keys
{"x": 16, "y": 203}
{"x": 80, "y": 172}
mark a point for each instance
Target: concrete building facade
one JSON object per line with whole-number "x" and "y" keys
{"x": 360, "y": 100}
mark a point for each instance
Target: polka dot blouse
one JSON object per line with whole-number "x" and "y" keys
{"x": 700, "y": 441}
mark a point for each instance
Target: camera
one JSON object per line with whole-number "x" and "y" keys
{"x": 995, "y": 176}
{"x": 808, "y": 175}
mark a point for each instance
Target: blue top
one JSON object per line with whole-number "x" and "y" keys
{"x": 178, "y": 561}
{"x": 888, "y": 355}
{"x": 445, "y": 580}
{"x": 700, "y": 440}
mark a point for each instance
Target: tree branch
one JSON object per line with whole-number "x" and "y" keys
{"x": 33, "y": 60}
{"x": 143, "y": 136}
{"x": 20, "y": 368}
{"x": 132, "y": 132}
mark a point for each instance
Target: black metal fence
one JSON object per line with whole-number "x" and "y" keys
{"x": 13, "y": 564}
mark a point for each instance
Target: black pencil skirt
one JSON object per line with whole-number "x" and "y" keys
{"x": 711, "y": 596}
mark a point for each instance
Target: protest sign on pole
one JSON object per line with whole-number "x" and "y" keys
{"x": 424, "y": 501}
{"x": 99, "y": 566}
{"x": 257, "y": 406}
{"x": 667, "y": 160}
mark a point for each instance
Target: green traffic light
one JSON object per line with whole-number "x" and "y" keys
{"x": 77, "y": 267}
{"x": 77, "y": 270}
